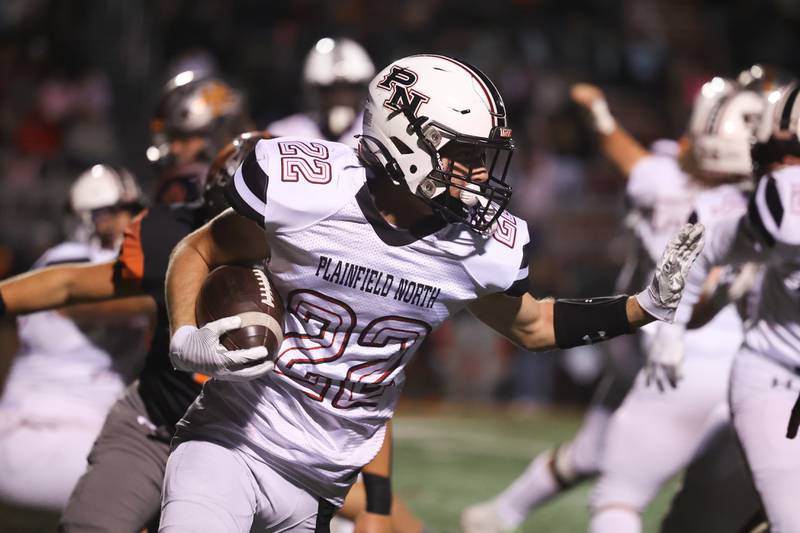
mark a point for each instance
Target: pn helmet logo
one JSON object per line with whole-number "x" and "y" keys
{"x": 399, "y": 81}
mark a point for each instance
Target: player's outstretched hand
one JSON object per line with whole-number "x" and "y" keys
{"x": 585, "y": 94}
{"x": 665, "y": 357}
{"x": 199, "y": 350}
{"x": 662, "y": 297}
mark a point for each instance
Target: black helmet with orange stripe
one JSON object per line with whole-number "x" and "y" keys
{"x": 196, "y": 115}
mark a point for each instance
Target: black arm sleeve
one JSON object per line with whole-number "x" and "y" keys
{"x": 379, "y": 493}
{"x": 585, "y": 321}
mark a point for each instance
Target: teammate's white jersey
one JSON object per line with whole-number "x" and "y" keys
{"x": 661, "y": 194}
{"x": 360, "y": 295}
{"x": 774, "y": 330}
{"x": 61, "y": 369}
{"x": 303, "y": 125}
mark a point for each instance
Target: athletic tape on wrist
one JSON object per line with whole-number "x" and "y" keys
{"x": 590, "y": 320}
{"x": 603, "y": 119}
{"x": 379, "y": 493}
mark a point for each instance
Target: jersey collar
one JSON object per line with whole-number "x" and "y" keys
{"x": 391, "y": 235}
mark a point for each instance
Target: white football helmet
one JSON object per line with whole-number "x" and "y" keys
{"x": 422, "y": 105}
{"x": 102, "y": 187}
{"x": 780, "y": 121}
{"x": 335, "y": 77}
{"x": 778, "y": 133}
{"x": 340, "y": 60}
{"x": 722, "y": 127}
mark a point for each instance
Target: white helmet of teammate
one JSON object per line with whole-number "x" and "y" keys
{"x": 778, "y": 134}
{"x": 722, "y": 127}
{"x": 335, "y": 77}
{"x": 420, "y": 106}
{"x": 780, "y": 120}
{"x": 103, "y": 186}
{"x": 339, "y": 60}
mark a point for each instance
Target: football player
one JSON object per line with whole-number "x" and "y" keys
{"x": 764, "y": 382}
{"x": 72, "y": 364}
{"x": 120, "y": 492}
{"x": 370, "y": 253}
{"x": 335, "y": 76}
{"x": 720, "y": 132}
{"x": 661, "y": 194}
{"x": 197, "y": 115}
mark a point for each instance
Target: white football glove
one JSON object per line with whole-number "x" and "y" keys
{"x": 199, "y": 350}
{"x": 662, "y": 297}
{"x": 665, "y": 356}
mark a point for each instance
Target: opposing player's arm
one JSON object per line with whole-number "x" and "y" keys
{"x": 546, "y": 324}
{"x": 113, "y": 311}
{"x": 227, "y": 239}
{"x": 617, "y": 145}
{"x": 60, "y": 285}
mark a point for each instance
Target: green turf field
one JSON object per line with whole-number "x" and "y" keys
{"x": 444, "y": 461}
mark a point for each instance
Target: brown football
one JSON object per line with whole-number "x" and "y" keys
{"x": 247, "y": 292}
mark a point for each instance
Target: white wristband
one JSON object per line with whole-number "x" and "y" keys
{"x": 647, "y": 301}
{"x": 603, "y": 119}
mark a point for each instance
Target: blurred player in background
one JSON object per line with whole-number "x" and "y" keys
{"x": 764, "y": 378}
{"x": 71, "y": 364}
{"x": 661, "y": 193}
{"x": 335, "y": 77}
{"x": 197, "y": 115}
{"x": 719, "y": 169}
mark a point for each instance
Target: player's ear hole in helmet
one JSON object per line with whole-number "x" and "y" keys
{"x": 438, "y": 126}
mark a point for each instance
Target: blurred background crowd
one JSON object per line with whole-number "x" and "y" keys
{"x": 79, "y": 80}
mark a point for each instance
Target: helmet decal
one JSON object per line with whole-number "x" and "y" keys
{"x": 399, "y": 81}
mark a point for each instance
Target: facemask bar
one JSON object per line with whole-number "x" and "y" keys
{"x": 480, "y": 201}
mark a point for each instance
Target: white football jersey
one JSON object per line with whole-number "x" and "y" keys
{"x": 661, "y": 194}
{"x": 774, "y": 330}
{"x": 360, "y": 296}
{"x": 723, "y": 335}
{"x": 61, "y": 368}
{"x": 303, "y": 125}
{"x": 662, "y": 199}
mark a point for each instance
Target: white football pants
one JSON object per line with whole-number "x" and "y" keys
{"x": 214, "y": 489}
{"x": 40, "y": 460}
{"x": 653, "y": 435}
{"x": 762, "y": 395}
